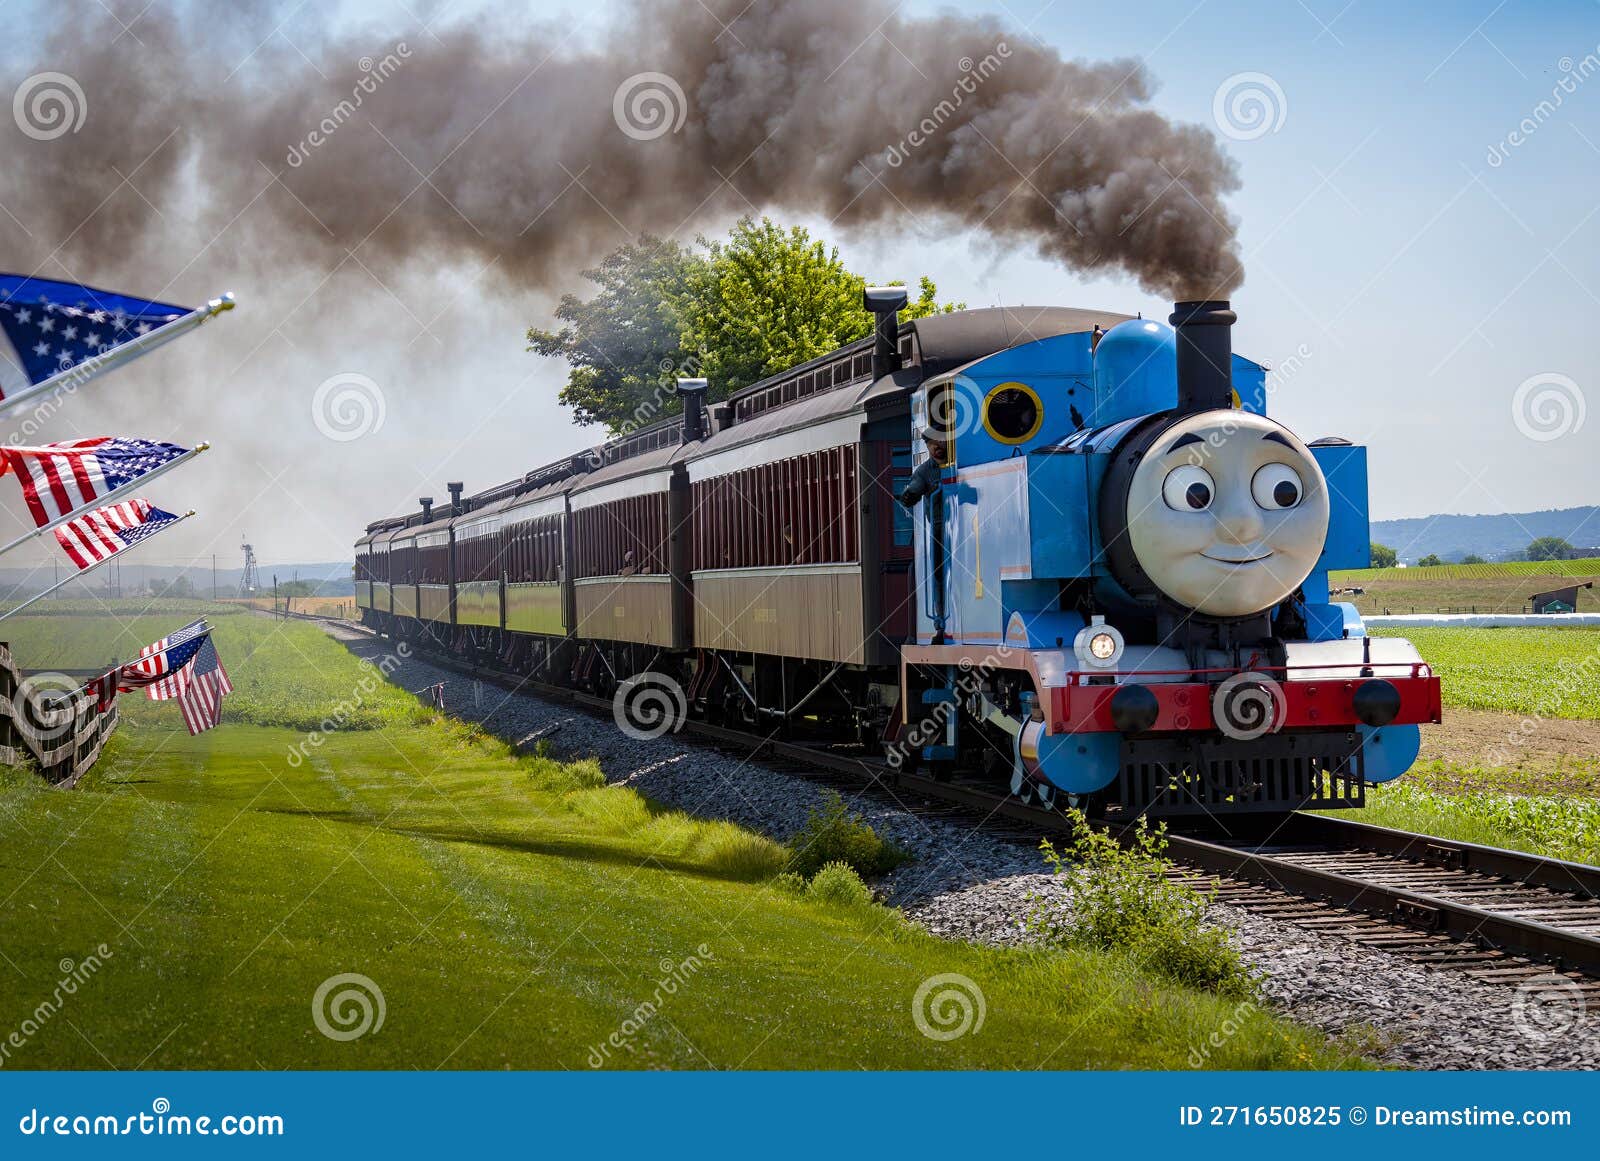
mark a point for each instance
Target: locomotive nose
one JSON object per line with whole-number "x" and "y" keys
{"x": 1238, "y": 521}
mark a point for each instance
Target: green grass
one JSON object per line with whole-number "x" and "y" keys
{"x": 1558, "y": 827}
{"x": 1552, "y": 673}
{"x": 300, "y": 680}
{"x": 514, "y": 912}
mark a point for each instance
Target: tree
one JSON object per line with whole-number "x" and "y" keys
{"x": 622, "y": 344}
{"x": 179, "y": 587}
{"x": 731, "y": 311}
{"x": 1473, "y": 558}
{"x": 1383, "y": 556}
{"x": 1429, "y": 561}
{"x": 1550, "y": 548}
{"x": 769, "y": 298}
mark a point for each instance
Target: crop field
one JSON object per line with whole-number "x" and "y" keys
{"x": 1553, "y": 673}
{"x": 1517, "y": 761}
{"x": 1587, "y": 566}
{"x": 1431, "y": 590}
{"x": 344, "y": 607}
{"x": 512, "y": 910}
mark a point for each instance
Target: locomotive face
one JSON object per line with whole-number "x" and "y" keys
{"x": 1227, "y": 513}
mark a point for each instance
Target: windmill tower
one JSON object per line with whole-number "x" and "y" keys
{"x": 250, "y": 581}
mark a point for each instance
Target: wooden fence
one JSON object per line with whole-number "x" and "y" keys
{"x": 62, "y": 732}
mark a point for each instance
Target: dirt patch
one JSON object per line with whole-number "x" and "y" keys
{"x": 1489, "y": 750}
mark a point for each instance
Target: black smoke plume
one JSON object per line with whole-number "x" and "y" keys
{"x": 528, "y": 151}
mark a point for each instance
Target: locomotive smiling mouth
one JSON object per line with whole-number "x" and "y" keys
{"x": 1237, "y": 560}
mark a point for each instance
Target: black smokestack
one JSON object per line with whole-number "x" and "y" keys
{"x": 454, "y": 488}
{"x": 1205, "y": 354}
{"x": 445, "y": 147}
{"x": 427, "y": 508}
{"x": 885, "y": 303}
{"x": 693, "y": 394}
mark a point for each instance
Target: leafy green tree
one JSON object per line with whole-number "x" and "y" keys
{"x": 1383, "y": 556}
{"x": 771, "y": 297}
{"x": 622, "y": 344}
{"x": 1429, "y": 561}
{"x": 1550, "y": 548}
{"x": 1473, "y": 558}
{"x": 732, "y": 311}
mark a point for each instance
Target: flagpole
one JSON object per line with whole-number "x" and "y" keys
{"x": 110, "y": 497}
{"x": 74, "y": 377}
{"x": 86, "y": 571}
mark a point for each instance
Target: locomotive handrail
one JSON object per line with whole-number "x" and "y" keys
{"x": 1419, "y": 669}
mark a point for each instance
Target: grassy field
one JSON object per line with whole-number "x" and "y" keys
{"x": 1549, "y": 672}
{"x": 513, "y": 912}
{"x": 1517, "y": 761}
{"x": 1464, "y": 805}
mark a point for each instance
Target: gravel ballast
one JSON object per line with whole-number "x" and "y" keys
{"x": 966, "y": 883}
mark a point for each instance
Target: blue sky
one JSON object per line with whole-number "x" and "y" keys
{"x": 1410, "y": 287}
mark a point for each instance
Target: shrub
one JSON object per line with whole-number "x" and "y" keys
{"x": 739, "y": 854}
{"x": 1121, "y": 900}
{"x": 790, "y": 883}
{"x": 549, "y": 774}
{"x": 833, "y": 834}
{"x": 838, "y": 884}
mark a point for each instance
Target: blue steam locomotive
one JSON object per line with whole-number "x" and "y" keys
{"x": 1124, "y": 578}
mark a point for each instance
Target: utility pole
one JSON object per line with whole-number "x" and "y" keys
{"x": 213, "y": 576}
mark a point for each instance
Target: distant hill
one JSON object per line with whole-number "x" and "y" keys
{"x": 1492, "y": 537}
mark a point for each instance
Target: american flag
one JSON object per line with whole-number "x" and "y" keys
{"x": 201, "y": 699}
{"x": 47, "y": 327}
{"x": 58, "y": 478}
{"x": 161, "y": 667}
{"x": 101, "y": 534}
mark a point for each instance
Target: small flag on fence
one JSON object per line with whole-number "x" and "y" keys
{"x": 101, "y": 534}
{"x": 60, "y": 477}
{"x": 201, "y": 699}
{"x": 49, "y": 327}
{"x": 163, "y": 661}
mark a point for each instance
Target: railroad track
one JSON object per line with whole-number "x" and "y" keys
{"x": 1498, "y": 916}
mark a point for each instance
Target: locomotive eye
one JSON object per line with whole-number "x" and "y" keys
{"x": 1277, "y": 486}
{"x": 1188, "y": 489}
